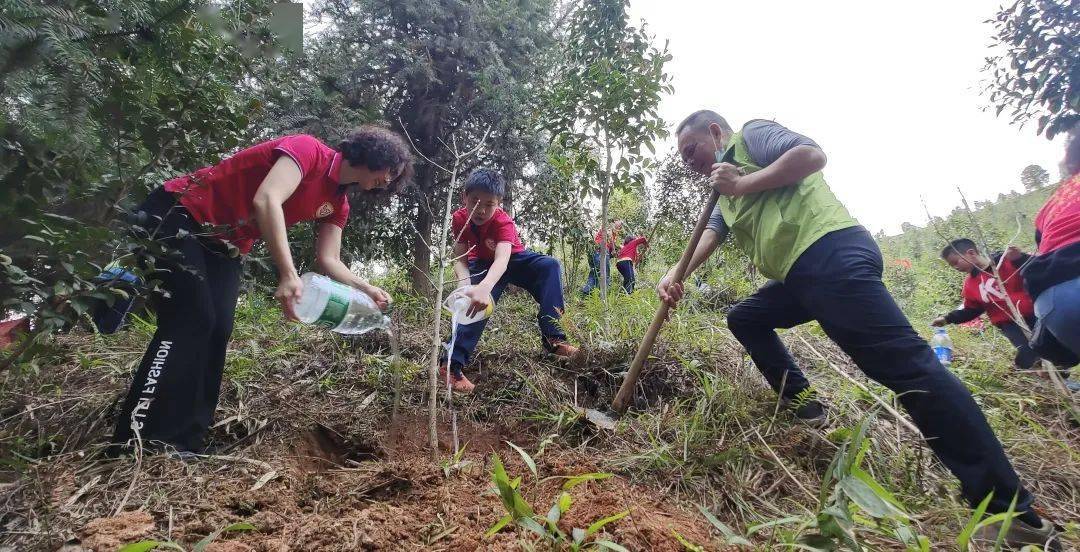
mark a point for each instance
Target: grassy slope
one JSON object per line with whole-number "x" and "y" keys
{"x": 310, "y": 414}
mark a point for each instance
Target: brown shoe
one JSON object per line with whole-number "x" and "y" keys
{"x": 1020, "y": 534}
{"x": 459, "y": 384}
{"x": 561, "y": 349}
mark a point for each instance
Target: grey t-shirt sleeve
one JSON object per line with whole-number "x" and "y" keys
{"x": 717, "y": 224}
{"x": 766, "y": 141}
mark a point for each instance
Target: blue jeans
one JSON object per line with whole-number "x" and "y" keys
{"x": 1059, "y": 309}
{"x": 837, "y": 281}
{"x": 540, "y": 276}
{"x": 594, "y": 273}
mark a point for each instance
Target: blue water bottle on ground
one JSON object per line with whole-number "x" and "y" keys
{"x": 942, "y": 346}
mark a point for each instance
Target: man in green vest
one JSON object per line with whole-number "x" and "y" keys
{"x": 824, "y": 266}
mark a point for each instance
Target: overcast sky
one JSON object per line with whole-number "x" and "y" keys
{"x": 890, "y": 90}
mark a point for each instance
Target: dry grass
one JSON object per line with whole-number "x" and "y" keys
{"x": 313, "y": 460}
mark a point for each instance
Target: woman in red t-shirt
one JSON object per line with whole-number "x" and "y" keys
{"x": 1053, "y": 276}
{"x": 628, "y": 258}
{"x": 206, "y": 220}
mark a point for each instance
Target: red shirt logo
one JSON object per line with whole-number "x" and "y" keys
{"x": 989, "y": 291}
{"x": 324, "y": 210}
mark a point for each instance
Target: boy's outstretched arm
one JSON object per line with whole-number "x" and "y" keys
{"x": 481, "y": 294}
{"x": 958, "y": 316}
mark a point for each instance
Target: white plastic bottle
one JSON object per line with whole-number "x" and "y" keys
{"x": 942, "y": 346}
{"x": 457, "y": 304}
{"x": 344, "y": 309}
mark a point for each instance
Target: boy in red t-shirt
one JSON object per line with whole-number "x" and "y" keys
{"x": 490, "y": 242}
{"x": 627, "y": 258}
{"x": 983, "y": 294}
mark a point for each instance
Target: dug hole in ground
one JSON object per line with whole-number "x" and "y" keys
{"x": 311, "y": 458}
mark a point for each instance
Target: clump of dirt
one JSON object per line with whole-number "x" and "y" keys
{"x": 228, "y": 546}
{"x": 402, "y": 500}
{"x": 110, "y": 533}
{"x": 320, "y": 448}
{"x": 319, "y": 467}
{"x": 408, "y": 435}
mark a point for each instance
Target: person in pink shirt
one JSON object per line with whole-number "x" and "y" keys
{"x": 208, "y": 219}
{"x": 627, "y": 259}
{"x": 1053, "y": 274}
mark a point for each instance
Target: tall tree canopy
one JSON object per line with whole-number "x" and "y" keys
{"x": 1036, "y": 70}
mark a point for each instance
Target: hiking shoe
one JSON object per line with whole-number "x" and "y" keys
{"x": 1021, "y": 534}
{"x": 459, "y": 384}
{"x": 561, "y": 349}
{"x": 812, "y": 413}
{"x": 807, "y": 411}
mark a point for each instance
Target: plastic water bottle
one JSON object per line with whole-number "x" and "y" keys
{"x": 942, "y": 345}
{"x": 457, "y": 304}
{"x": 341, "y": 308}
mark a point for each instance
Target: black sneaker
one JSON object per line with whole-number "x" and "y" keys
{"x": 812, "y": 413}
{"x": 808, "y": 411}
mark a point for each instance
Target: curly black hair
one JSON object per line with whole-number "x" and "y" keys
{"x": 486, "y": 180}
{"x": 379, "y": 148}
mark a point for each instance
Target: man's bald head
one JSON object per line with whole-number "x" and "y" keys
{"x": 700, "y": 120}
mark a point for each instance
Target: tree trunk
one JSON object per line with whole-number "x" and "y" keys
{"x": 420, "y": 271}
{"x": 508, "y": 199}
{"x": 605, "y": 195}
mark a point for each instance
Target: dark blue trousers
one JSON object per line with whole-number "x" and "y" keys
{"x": 539, "y": 275}
{"x": 626, "y": 268}
{"x": 837, "y": 281}
{"x": 594, "y": 273}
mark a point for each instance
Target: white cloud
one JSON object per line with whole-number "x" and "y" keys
{"x": 889, "y": 90}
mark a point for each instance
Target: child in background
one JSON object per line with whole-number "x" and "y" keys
{"x": 595, "y": 257}
{"x": 627, "y": 258}
{"x": 490, "y": 241}
{"x": 983, "y": 294}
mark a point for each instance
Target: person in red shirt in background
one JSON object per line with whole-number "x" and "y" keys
{"x": 208, "y": 218}
{"x": 595, "y": 259}
{"x": 489, "y": 240}
{"x": 627, "y": 258}
{"x": 983, "y": 294}
{"x": 1053, "y": 275}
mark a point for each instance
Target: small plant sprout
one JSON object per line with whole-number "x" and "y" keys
{"x": 546, "y": 528}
